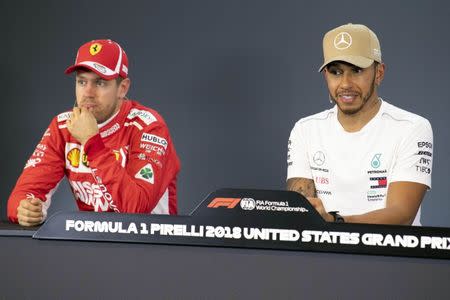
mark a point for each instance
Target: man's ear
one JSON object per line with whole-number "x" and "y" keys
{"x": 379, "y": 73}
{"x": 324, "y": 73}
{"x": 124, "y": 86}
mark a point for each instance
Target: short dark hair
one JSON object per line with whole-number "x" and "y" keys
{"x": 375, "y": 64}
{"x": 119, "y": 79}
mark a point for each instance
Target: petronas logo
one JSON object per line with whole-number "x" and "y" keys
{"x": 376, "y": 163}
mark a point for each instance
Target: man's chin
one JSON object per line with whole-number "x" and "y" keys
{"x": 349, "y": 109}
{"x": 100, "y": 119}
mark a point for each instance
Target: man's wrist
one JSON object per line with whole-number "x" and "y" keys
{"x": 93, "y": 146}
{"x": 329, "y": 217}
{"x": 88, "y": 137}
{"x": 337, "y": 218}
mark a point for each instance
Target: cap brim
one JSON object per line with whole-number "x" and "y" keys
{"x": 359, "y": 61}
{"x": 84, "y": 66}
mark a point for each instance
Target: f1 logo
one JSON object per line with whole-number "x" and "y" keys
{"x": 224, "y": 202}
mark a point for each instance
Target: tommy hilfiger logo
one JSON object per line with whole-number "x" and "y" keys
{"x": 380, "y": 182}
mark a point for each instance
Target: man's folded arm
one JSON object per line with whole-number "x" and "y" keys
{"x": 41, "y": 175}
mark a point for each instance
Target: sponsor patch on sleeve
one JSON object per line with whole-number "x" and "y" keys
{"x": 154, "y": 139}
{"x": 146, "y": 173}
{"x": 63, "y": 116}
{"x": 425, "y": 160}
{"x": 146, "y": 116}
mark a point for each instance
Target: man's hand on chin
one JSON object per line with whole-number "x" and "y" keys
{"x": 82, "y": 124}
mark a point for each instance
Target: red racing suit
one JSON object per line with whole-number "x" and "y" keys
{"x": 130, "y": 166}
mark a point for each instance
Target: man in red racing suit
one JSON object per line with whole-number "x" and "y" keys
{"x": 116, "y": 153}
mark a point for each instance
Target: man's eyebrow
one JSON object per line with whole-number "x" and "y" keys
{"x": 333, "y": 65}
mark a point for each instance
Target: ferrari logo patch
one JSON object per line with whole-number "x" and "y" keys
{"x": 95, "y": 48}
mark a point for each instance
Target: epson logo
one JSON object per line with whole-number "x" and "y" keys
{"x": 425, "y": 145}
{"x": 248, "y": 204}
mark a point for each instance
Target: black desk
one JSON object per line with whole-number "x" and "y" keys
{"x": 63, "y": 269}
{"x": 46, "y": 269}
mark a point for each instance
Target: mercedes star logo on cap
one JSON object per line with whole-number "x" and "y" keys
{"x": 342, "y": 41}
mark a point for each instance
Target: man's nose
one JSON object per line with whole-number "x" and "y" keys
{"x": 89, "y": 90}
{"x": 347, "y": 80}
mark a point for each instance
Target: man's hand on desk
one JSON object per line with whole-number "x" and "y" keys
{"x": 318, "y": 205}
{"x": 29, "y": 212}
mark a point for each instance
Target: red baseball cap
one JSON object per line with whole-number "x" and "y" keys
{"x": 104, "y": 57}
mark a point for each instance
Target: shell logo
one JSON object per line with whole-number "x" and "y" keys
{"x": 74, "y": 157}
